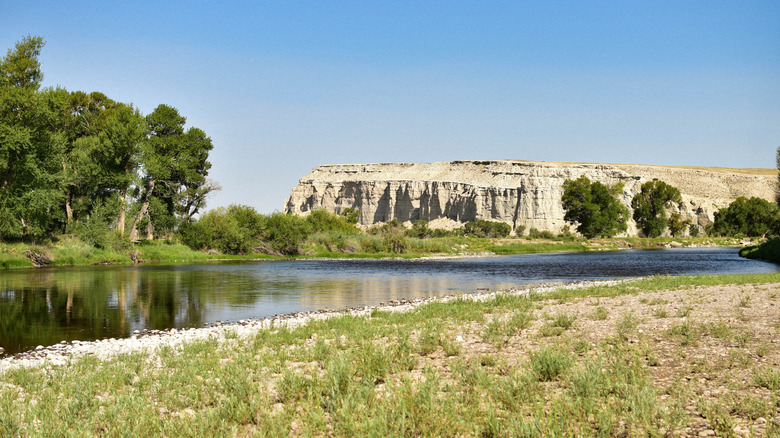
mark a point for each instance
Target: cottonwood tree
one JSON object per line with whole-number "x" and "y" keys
{"x": 175, "y": 165}
{"x": 650, "y": 206}
{"x": 594, "y": 207}
{"x": 746, "y": 217}
{"x": 29, "y": 151}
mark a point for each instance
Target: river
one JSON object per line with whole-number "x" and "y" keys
{"x": 46, "y": 306}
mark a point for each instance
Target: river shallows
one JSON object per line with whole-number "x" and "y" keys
{"x": 46, "y": 306}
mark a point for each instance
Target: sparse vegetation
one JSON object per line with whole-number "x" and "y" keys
{"x": 432, "y": 371}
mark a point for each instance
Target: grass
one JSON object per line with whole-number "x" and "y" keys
{"x": 769, "y": 251}
{"x": 399, "y": 374}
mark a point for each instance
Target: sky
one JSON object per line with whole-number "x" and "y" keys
{"x": 284, "y": 86}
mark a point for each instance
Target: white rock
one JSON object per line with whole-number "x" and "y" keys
{"x": 519, "y": 193}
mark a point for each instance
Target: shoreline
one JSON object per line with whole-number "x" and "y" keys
{"x": 150, "y": 341}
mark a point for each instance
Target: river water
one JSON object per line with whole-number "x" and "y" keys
{"x": 46, "y": 306}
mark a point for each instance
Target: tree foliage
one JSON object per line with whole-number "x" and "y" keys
{"x": 485, "y": 228}
{"x": 650, "y": 206}
{"x": 75, "y": 161}
{"x": 594, "y": 207}
{"x": 746, "y": 217}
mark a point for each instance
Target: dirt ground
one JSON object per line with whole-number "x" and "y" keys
{"x": 712, "y": 350}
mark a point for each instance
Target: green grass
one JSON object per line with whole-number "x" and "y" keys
{"x": 537, "y": 247}
{"x": 769, "y": 251}
{"x": 390, "y": 374}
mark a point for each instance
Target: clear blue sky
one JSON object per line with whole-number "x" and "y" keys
{"x": 283, "y": 86}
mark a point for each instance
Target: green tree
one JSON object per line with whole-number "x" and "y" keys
{"x": 175, "y": 165}
{"x": 746, "y": 217}
{"x": 650, "y": 206}
{"x": 594, "y": 207}
{"x": 29, "y": 151}
{"x": 677, "y": 224}
{"x": 777, "y": 188}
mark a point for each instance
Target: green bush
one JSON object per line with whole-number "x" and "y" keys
{"x": 746, "y": 217}
{"x": 286, "y": 232}
{"x": 324, "y": 221}
{"x": 419, "y": 230}
{"x": 536, "y": 234}
{"x": 488, "y": 229}
{"x": 219, "y": 230}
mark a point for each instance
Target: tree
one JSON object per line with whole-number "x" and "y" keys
{"x": 175, "y": 165}
{"x": 594, "y": 207}
{"x": 677, "y": 224}
{"x": 777, "y": 188}
{"x": 649, "y": 206}
{"x": 29, "y": 150}
{"x": 746, "y": 217}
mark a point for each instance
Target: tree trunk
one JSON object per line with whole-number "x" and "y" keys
{"x": 142, "y": 212}
{"x": 68, "y": 208}
{"x": 149, "y": 229}
{"x": 122, "y": 202}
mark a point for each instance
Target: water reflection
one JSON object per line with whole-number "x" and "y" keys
{"x": 47, "y": 306}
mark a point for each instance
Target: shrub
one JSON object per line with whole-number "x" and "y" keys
{"x": 286, "y": 232}
{"x": 677, "y": 225}
{"x": 536, "y": 234}
{"x": 485, "y": 228}
{"x": 550, "y": 362}
{"x": 219, "y": 230}
{"x": 419, "y": 230}
{"x": 324, "y": 221}
{"x": 351, "y": 215}
{"x": 749, "y": 217}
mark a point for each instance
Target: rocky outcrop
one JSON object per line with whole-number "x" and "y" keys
{"x": 520, "y": 193}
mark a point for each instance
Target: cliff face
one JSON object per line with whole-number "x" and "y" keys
{"x": 519, "y": 193}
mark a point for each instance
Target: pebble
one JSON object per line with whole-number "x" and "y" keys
{"x": 136, "y": 332}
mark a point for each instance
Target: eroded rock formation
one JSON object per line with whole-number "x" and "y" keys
{"x": 520, "y": 193}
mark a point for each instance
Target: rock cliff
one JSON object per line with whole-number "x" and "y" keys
{"x": 520, "y": 193}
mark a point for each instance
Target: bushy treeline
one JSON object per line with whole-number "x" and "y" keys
{"x": 597, "y": 212}
{"x": 81, "y": 163}
{"x": 239, "y": 229}
{"x": 478, "y": 228}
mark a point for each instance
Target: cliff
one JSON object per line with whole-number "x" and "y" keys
{"x": 520, "y": 193}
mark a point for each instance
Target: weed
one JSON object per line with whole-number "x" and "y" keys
{"x": 719, "y": 329}
{"x": 600, "y": 313}
{"x": 451, "y": 348}
{"x": 627, "y": 325}
{"x": 742, "y": 338}
{"x": 768, "y": 378}
{"x": 685, "y": 333}
{"x": 683, "y": 312}
{"x": 744, "y": 301}
{"x": 550, "y": 362}
{"x": 660, "y": 312}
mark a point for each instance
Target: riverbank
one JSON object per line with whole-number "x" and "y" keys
{"x": 768, "y": 251}
{"x": 688, "y": 356}
{"x": 70, "y": 251}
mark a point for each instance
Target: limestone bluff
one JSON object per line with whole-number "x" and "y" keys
{"x": 520, "y": 193}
